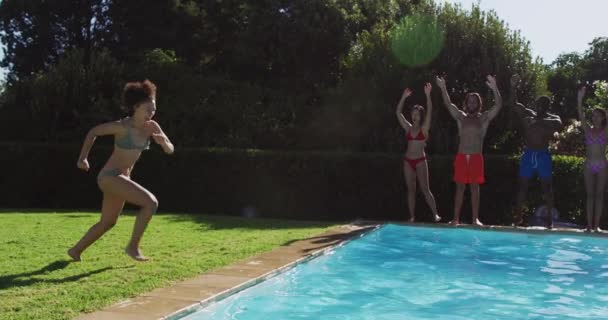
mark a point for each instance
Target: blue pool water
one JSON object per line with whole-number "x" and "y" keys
{"x": 400, "y": 272}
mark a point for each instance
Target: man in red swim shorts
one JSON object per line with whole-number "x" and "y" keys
{"x": 472, "y": 127}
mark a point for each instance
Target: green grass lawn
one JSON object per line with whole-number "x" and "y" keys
{"x": 37, "y": 281}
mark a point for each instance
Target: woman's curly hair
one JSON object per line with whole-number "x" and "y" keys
{"x": 137, "y": 92}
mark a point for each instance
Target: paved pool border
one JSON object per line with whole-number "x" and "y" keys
{"x": 186, "y": 297}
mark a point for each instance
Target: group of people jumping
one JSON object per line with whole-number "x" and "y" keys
{"x": 539, "y": 126}
{"x": 132, "y": 135}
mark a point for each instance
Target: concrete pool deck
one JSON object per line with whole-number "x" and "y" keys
{"x": 181, "y": 298}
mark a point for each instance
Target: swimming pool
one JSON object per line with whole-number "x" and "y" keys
{"x": 406, "y": 272}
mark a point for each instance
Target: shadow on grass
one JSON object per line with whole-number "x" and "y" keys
{"x": 15, "y": 280}
{"x": 47, "y": 211}
{"x": 312, "y": 244}
{"x": 222, "y": 222}
{"x": 210, "y": 221}
{"x": 218, "y": 222}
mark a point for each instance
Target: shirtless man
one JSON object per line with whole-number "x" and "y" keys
{"x": 539, "y": 127}
{"x": 472, "y": 127}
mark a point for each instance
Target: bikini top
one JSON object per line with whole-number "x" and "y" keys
{"x": 598, "y": 139}
{"x": 420, "y": 136}
{"x": 127, "y": 141}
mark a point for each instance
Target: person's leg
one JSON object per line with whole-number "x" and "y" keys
{"x": 477, "y": 178}
{"x": 133, "y": 193}
{"x": 410, "y": 181}
{"x": 519, "y": 201}
{"x": 525, "y": 173}
{"x": 111, "y": 208}
{"x": 590, "y": 190}
{"x": 458, "y": 198}
{"x": 545, "y": 172}
{"x": 461, "y": 179}
{"x": 422, "y": 172}
{"x": 600, "y": 188}
{"x": 547, "y": 186}
{"x": 475, "y": 203}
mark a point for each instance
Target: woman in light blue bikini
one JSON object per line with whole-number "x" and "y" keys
{"x": 131, "y": 137}
{"x": 596, "y": 139}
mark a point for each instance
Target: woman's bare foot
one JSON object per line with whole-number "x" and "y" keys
{"x": 437, "y": 218}
{"x": 411, "y": 219}
{"x": 477, "y": 222}
{"x": 588, "y": 230}
{"x": 73, "y": 255}
{"x": 454, "y": 222}
{"x": 135, "y": 254}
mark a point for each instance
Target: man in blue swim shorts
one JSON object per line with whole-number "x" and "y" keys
{"x": 539, "y": 127}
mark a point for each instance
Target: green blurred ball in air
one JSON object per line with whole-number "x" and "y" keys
{"x": 416, "y": 40}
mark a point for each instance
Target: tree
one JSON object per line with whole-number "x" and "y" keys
{"x": 360, "y": 109}
{"x": 37, "y": 33}
{"x": 596, "y": 60}
{"x": 569, "y": 71}
{"x": 58, "y": 105}
{"x": 262, "y": 74}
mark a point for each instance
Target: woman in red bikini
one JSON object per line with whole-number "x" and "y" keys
{"x": 414, "y": 162}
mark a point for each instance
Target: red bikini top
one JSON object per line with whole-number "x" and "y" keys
{"x": 419, "y": 136}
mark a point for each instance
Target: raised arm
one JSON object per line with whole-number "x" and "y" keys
{"x": 454, "y": 112}
{"x": 109, "y": 128}
{"x": 399, "y": 112}
{"x": 493, "y": 112}
{"x": 579, "y": 107}
{"x": 555, "y": 121}
{"x": 520, "y": 109}
{"x": 426, "y": 126}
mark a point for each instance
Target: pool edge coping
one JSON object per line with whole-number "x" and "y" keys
{"x": 349, "y": 232}
{"x": 297, "y": 253}
{"x": 368, "y": 226}
{"x": 376, "y": 225}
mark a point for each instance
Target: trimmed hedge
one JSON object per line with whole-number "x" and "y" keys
{"x": 291, "y": 185}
